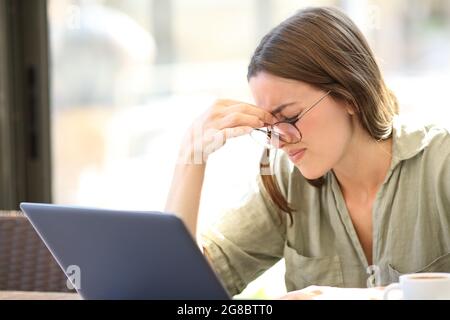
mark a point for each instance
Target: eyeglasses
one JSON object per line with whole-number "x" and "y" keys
{"x": 285, "y": 130}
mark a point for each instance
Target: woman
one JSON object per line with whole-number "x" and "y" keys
{"x": 356, "y": 198}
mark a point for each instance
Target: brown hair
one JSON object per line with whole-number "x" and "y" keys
{"x": 323, "y": 47}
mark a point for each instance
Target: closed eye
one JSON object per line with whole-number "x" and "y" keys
{"x": 294, "y": 118}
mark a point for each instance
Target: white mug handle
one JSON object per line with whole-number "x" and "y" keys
{"x": 389, "y": 288}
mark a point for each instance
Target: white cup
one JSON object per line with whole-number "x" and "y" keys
{"x": 422, "y": 286}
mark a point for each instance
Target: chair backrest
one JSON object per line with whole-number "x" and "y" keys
{"x": 25, "y": 262}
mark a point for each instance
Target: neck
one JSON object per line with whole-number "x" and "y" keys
{"x": 363, "y": 169}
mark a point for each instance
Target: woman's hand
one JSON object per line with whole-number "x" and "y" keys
{"x": 301, "y": 295}
{"x": 225, "y": 119}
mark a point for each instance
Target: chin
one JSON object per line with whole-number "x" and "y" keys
{"x": 311, "y": 173}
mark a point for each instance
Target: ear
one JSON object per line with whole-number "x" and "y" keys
{"x": 351, "y": 110}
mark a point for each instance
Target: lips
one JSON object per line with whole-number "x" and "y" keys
{"x": 296, "y": 155}
{"x": 295, "y": 152}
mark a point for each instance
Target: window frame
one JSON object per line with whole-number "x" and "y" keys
{"x": 25, "y": 157}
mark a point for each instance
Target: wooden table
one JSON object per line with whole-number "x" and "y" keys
{"x": 29, "y": 295}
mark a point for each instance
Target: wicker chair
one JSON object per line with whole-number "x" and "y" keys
{"x": 25, "y": 262}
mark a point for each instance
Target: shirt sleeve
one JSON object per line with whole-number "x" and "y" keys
{"x": 246, "y": 241}
{"x": 439, "y": 183}
{"x": 442, "y": 164}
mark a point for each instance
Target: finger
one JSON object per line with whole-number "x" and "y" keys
{"x": 217, "y": 138}
{"x": 246, "y": 108}
{"x": 234, "y": 120}
{"x": 296, "y": 296}
{"x": 237, "y": 132}
{"x": 228, "y": 102}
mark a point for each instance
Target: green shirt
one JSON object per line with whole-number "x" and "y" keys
{"x": 411, "y": 223}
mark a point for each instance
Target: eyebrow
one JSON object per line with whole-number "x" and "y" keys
{"x": 281, "y": 107}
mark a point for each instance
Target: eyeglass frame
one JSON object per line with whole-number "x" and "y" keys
{"x": 292, "y": 121}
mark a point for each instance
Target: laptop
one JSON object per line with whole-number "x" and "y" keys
{"x": 110, "y": 254}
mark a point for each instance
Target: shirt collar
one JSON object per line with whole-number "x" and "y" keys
{"x": 408, "y": 140}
